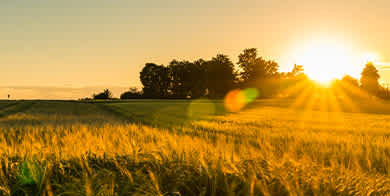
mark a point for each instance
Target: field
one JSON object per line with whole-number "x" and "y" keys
{"x": 183, "y": 147}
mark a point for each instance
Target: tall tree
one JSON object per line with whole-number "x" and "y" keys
{"x": 220, "y": 76}
{"x": 179, "y": 72}
{"x": 369, "y": 79}
{"x": 187, "y": 78}
{"x": 156, "y": 80}
{"x": 198, "y": 78}
{"x": 255, "y": 69}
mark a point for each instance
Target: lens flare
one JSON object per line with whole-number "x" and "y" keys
{"x": 250, "y": 94}
{"x": 237, "y": 99}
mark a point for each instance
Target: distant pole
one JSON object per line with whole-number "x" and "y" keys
{"x": 9, "y": 96}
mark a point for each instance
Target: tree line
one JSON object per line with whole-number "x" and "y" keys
{"x": 215, "y": 77}
{"x": 211, "y": 78}
{"x": 367, "y": 86}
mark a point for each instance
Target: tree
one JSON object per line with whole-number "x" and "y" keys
{"x": 350, "y": 81}
{"x": 255, "y": 69}
{"x": 179, "y": 74}
{"x": 296, "y": 71}
{"x": 187, "y": 78}
{"x": 106, "y": 94}
{"x": 198, "y": 78}
{"x": 220, "y": 76}
{"x": 132, "y": 93}
{"x": 348, "y": 86}
{"x": 369, "y": 79}
{"x": 156, "y": 81}
{"x": 283, "y": 82}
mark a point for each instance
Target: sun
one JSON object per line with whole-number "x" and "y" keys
{"x": 325, "y": 60}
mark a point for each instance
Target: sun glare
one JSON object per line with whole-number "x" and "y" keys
{"x": 325, "y": 60}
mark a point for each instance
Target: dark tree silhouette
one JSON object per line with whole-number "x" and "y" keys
{"x": 369, "y": 79}
{"x": 255, "y": 69}
{"x": 198, "y": 79}
{"x": 132, "y": 93}
{"x": 106, "y": 94}
{"x": 214, "y": 78}
{"x": 179, "y": 75}
{"x": 259, "y": 73}
{"x": 187, "y": 78}
{"x": 156, "y": 80}
{"x": 220, "y": 76}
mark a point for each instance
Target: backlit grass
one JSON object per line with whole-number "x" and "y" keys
{"x": 155, "y": 147}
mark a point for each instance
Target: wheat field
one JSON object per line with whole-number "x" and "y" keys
{"x": 179, "y": 147}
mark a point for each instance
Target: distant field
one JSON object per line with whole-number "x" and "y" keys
{"x": 185, "y": 147}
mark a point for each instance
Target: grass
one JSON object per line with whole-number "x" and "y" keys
{"x": 181, "y": 147}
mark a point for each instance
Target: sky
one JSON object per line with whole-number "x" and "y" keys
{"x": 67, "y": 49}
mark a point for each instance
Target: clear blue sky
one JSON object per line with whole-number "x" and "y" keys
{"x": 84, "y": 43}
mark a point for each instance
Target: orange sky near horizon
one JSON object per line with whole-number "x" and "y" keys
{"x": 96, "y": 43}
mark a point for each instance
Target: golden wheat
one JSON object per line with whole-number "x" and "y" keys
{"x": 259, "y": 151}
